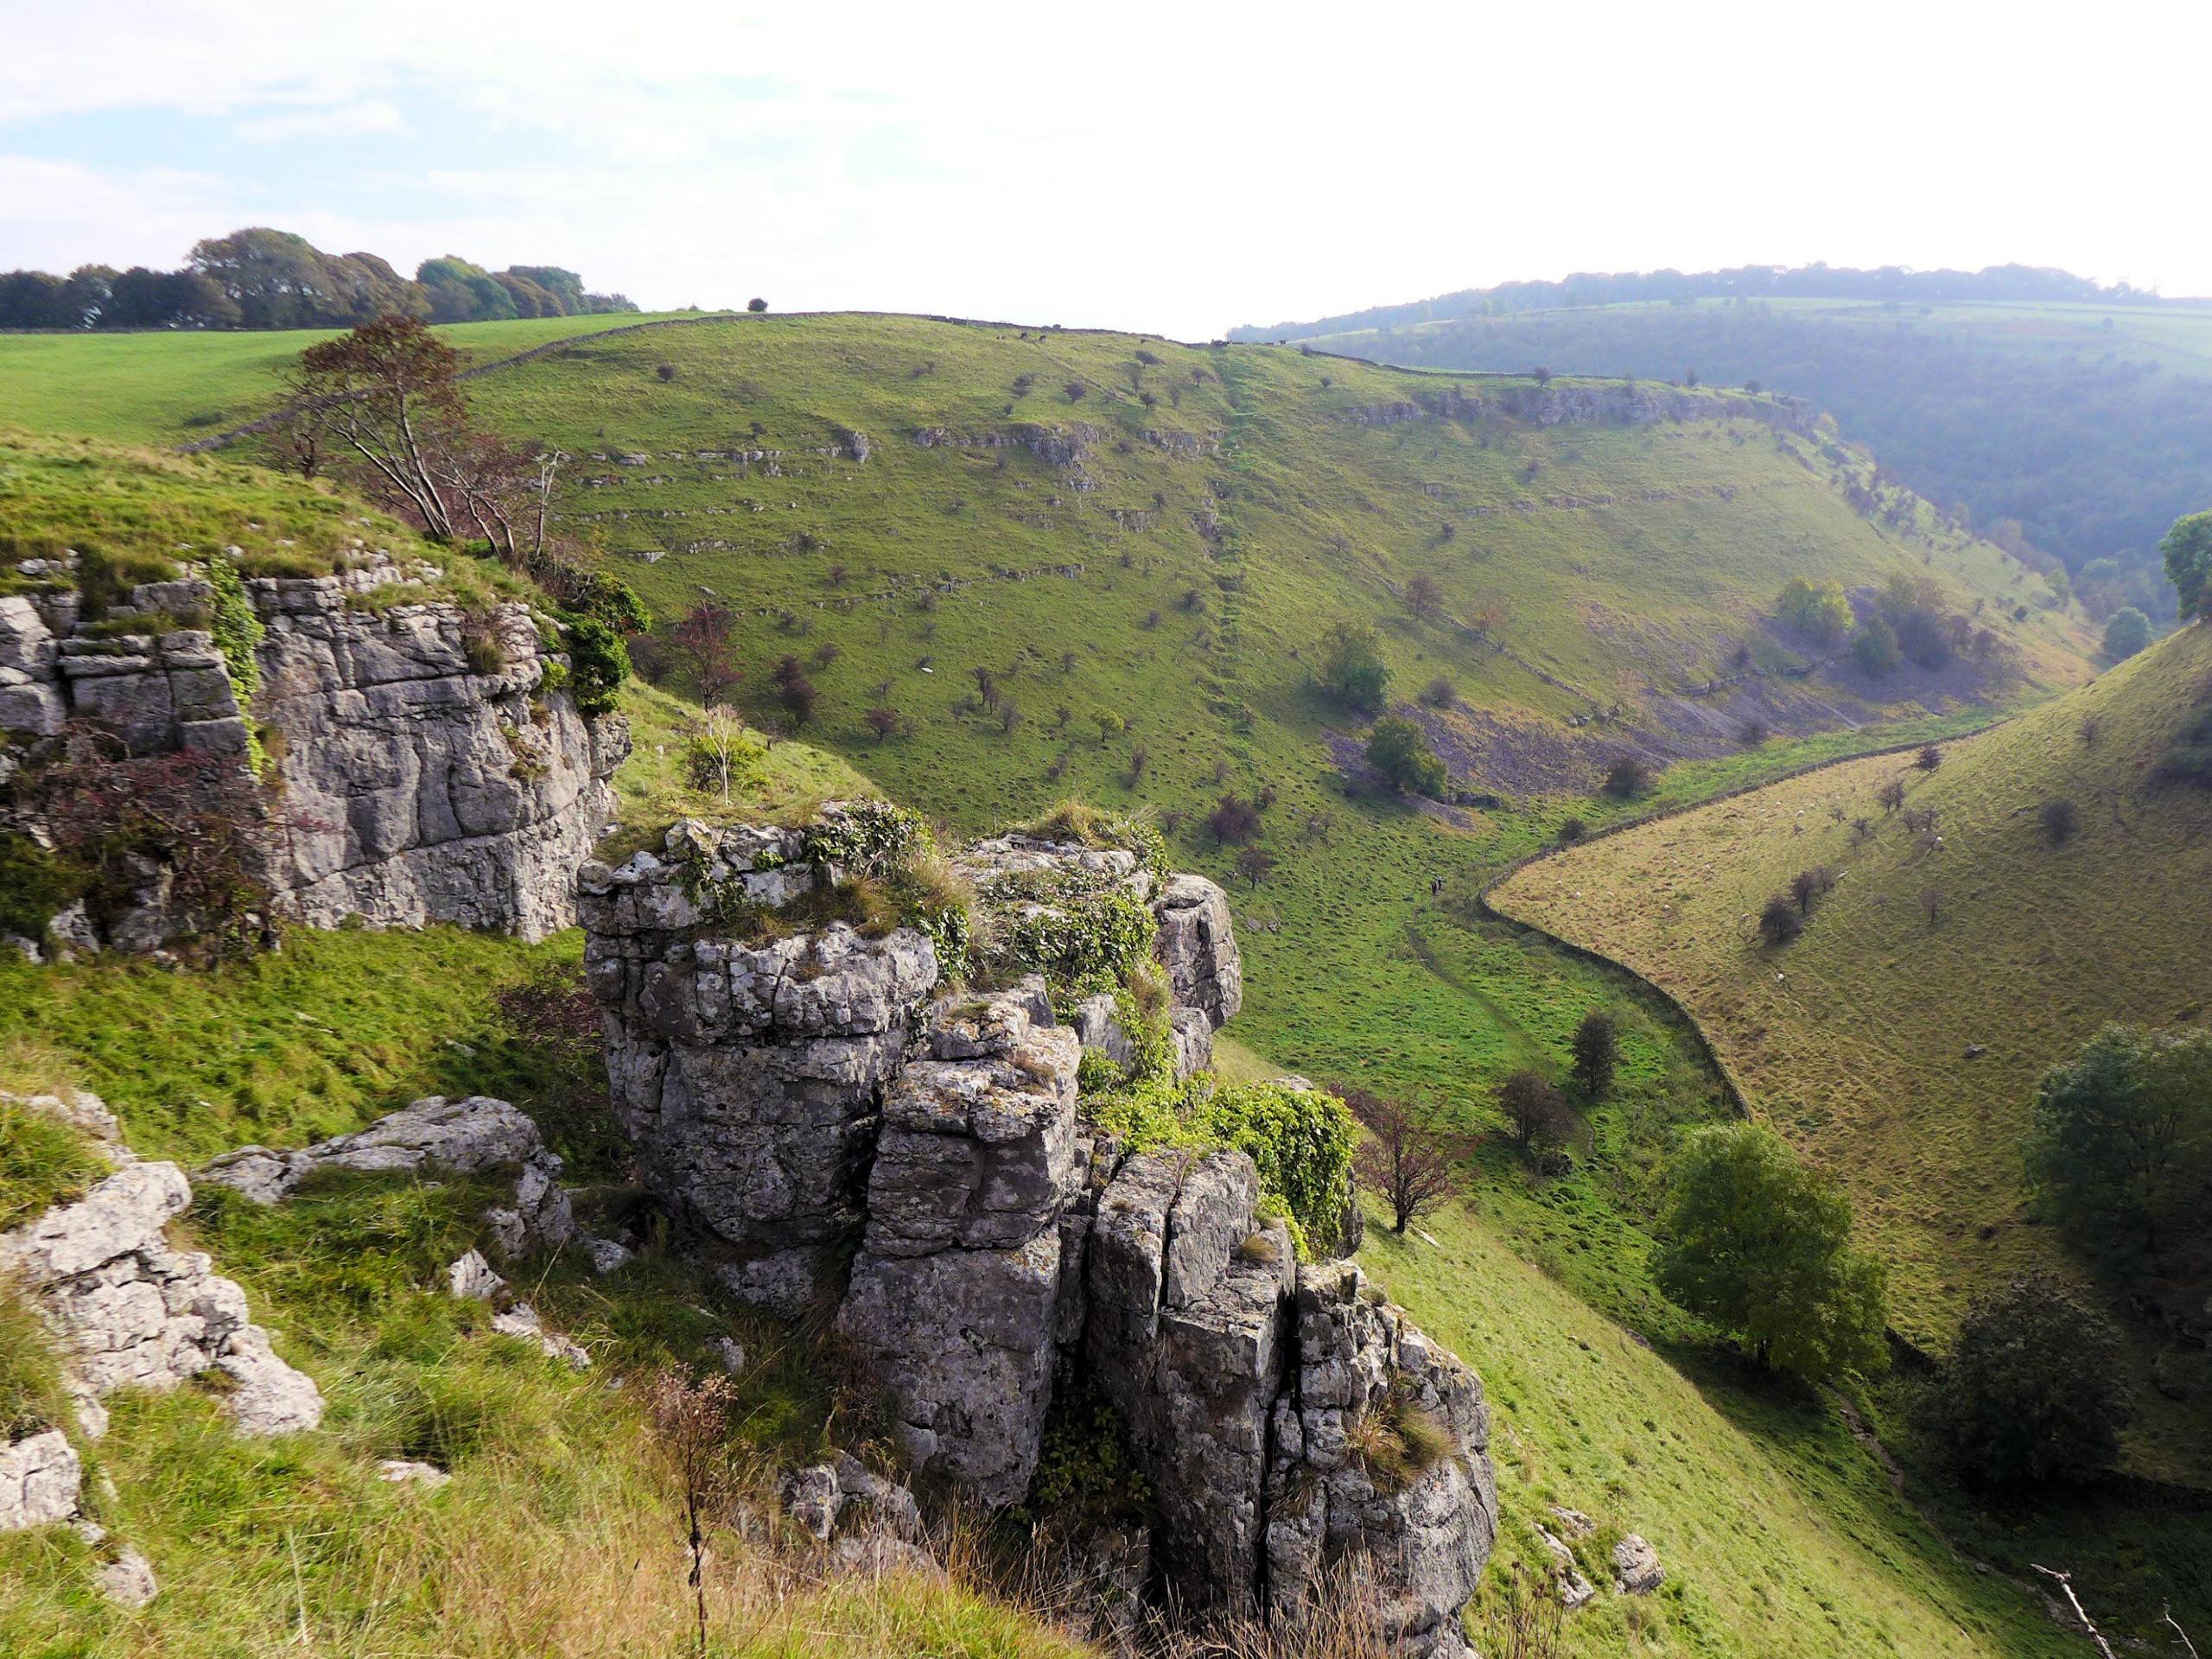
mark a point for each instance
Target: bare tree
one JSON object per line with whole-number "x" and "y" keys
{"x": 718, "y": 748}
{"x": 1534, "y": 1107}
{"x": 1408, "y": 1161}
{"x": 705, "y": 639}
{"x": 1931, "y": 904}
{"x": 388, "y": 392}
{"x": 690, "y": 1418}
{"x": 2065, "y": 1581}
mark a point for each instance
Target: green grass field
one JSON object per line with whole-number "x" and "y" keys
{"x": 177, "y": 388}
{"x": 1903, "y": 1055}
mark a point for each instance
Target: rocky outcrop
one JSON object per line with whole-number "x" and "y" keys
{"x": 807, "y": 1095}
{"x": 428, "y": 768}
{"x": 1617, "y": 402}
{"x": 130, "y": 1311}
{"x": 1637, "y": 1571}
{"x": 750, "y": 1076}
{"x": 1381, "y": 1448}
{"x": 472, "y": 1136}
{"x": 1198, "y": 947}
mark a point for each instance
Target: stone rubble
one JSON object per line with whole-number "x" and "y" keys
{"x": 128, "y": 1580}
{"x": 434, "y": 1136}
{"x": 1637, "y": 1571}
{"x": 131, "y": 1312}
{"x": 41, "y": 1477}
{"x": 401, "y": 1471}
{"x": 521, "y": 1322}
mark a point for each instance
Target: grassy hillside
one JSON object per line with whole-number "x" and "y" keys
{"x": 1780, "y": 1536}
{"x": 175, "y": 388}
{"x": 2086, "y": 424}
{"x": 1904, "y": 1054}
{"x": 559, "y": 1534}
{"x": 1176, "y": 567}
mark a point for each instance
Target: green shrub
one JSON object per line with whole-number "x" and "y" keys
{"x": 2121, "y": 1145}
{"x": 598, "y": 664}
{"x": 2127, "y": 632}
{"x": 1876, "y": 650}
{"x": 1399, "y": 750}
{"x": 1823, "y": 612}
{"x": 1085, "y": 1474}
{"x": 236, "y": 628}
{"x": 34, "y": 885}
{"x": 1300, "y": 1141}
{"x": 1088, "y": 941}
{"x": 2035, "y": 1392}
{"x": 1352, "y": 670}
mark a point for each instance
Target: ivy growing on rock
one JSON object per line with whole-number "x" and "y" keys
{"x": 1299, "y": 1140}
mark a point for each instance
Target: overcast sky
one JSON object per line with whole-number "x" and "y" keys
{"x": 1173, "y": 168}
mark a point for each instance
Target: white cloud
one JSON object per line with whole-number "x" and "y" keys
{"x": 1170, "y": 168}
{"x": 368, "y": 118}
{"x": 61, "y": 215}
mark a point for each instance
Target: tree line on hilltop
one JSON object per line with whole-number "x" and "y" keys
{"x": 261, "y": 278}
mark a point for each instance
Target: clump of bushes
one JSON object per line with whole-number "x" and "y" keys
{"x": 1299, "y": 1140}
{"x": 2035, "y": 1393}
{"x": 1822, "y": 613}
{"x": 1400, "y": 751}
{"x": 1352, "y": 670}
{"x": 1627, "y": 778}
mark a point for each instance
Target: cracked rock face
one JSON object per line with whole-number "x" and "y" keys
{"x": 131, "y": 1312}
{"x": 954, "y": 1293}
{"x": 1199, "y": 949}
{"x": 750, "y": 1077}
{"x": 796, "y": 1095}
{"x": 1424, "y": 1538}
{"x": 415, "y": 788}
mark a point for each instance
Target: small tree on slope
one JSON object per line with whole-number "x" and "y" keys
{"x": 1759, "y": 1244}
{"x": 1408, "y": 1160}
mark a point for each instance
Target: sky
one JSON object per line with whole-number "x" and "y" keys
{"x": 1175, "y": 168}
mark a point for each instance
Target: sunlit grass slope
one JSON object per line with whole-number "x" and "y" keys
{"x": 1781, "y": 1537}
{"x": 1900, "y": 1053}
{"x": 175, "y": 388}
{"x": 1179, "y": 572}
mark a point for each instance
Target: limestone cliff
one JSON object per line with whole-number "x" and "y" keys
{"x": 425, "y": 763}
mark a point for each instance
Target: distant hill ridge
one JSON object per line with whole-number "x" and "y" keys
{"x": 1822, "y": 282}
